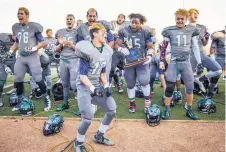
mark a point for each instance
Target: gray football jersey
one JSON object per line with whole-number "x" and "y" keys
{"x": 202, "y": 31}
{"x": 50, "y": 44}
{"x": 25, "y": 35}
{"x": 97, "y": 61}
{"x": 5, "y": 44}
{"x": 83, "y": 29}
{"x": 67, "y": 52}
{"x": 116, "y": 27}
{"x": 180, "y": 40}
{"x": 136, "y": 39}
{"x": 220, "y": 47}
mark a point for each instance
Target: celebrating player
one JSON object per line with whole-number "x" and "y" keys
{"x": 68, "y": 62}
{"x": 28, "y": 40}
{"x": 218, "y": 47}
{"x": 7, "y": 60}
{"x": 181, "y": 39}
{"x": 92, "y": 85}
{"x": 214, "y": 69}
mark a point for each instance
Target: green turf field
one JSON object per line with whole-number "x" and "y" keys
{"x": 177, "y": 112}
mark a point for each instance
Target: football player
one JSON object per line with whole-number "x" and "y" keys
{"x": 7, "y": 60}
{"x": 214, "y": 69}
{"x": 135, "y": 42}
{"x": 218, "y": 47}
{"x": 29, "y": 39}
{"x": 67, "y": 38}
{"x": 50, "y": 51}
{"x": 92, "y": 85}
{"x": 181, "y": 39}
{"x": 92, "y": 17}
{"x": 79, "y": 22}
{"x": 117, "y": 56}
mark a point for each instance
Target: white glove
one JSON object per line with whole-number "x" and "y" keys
{"x": 8, "y": 70}
{"x": 148, "y": 61}
{"x": 125, "y": 51}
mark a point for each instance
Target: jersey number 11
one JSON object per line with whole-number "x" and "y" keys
{"x": 179, "y": 40}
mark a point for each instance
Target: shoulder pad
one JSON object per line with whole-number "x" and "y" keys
{"x": 85, "y": 47}
{"x": 38, "y": 27}
{"x": 105, "y": 24}
{"x": 165, "y": 31}
{"x": 217, "y": 35}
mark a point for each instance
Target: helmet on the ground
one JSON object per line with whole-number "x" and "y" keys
{"x": 57, "y": 90}
{"x": 177, "y": 97}
{"x": 153, "y": 115}
{"x": 27, "y": 107}
{"x": 206, "y": 105}
{"x": 13, "y": 99}
{"x": 53, "y": 125}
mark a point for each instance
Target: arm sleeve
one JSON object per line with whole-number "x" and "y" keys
{"x": 196, "y": 49}
{"x": 83, "y": 67}
{"x": 213, "y": 44}
{"x": 39, "y": 37}
{"x": 110, "y": 36}
{"x": 163, "y": 47}
{"x": 103, "y": 70}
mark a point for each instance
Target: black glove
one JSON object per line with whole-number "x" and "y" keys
{"x": 108, "y": 91}
{"x": 200, "y": 69}
{"x": 98, "y": 92}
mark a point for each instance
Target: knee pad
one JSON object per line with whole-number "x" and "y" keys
{"x": 214, "y": 80}
{"x": 84, "y": 126}
{"x": 189, "y": 87}
{"x": 19, "y": 87}
{"x": 111, "y": 114}
{"x": 131, "y": 85}
{"x": 42, "y": 86}
{"x": 218, "y": 72}
{"x": 169, "y": 88}
{"x": 144, "y": 82}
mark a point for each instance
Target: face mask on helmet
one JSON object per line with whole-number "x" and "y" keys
{"x": 57, "y": 90}
{"x": 38, "y": 93}
{"x": 206, "y": 105}
{"x": 153, "y": 115}
{"x": 53, "y": 125}
{"x": 177, "y": 97}
{"x": 13, "y": 99}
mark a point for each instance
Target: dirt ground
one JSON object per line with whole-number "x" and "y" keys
{"x": 20, "y": 135}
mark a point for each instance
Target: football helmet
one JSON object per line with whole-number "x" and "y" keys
{"x": 53, "y": 125}
{"x": 13, "y": 99}
{"x": 206, "y": 105}
{"x": 57, "y": 90}
{"x": 153, "y": 115}
{"x": 177, "y": 97}
{"x": 26, "y": 107}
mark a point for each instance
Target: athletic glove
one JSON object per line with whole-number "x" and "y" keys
{"x": 200, "y": 69}
{"x": 108, "y": 91}
{"x": 97, "y": 91}
{"x": 8, "y": 70}
{"x": 124, "y": 50}
{"x": 207, "y": 35}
